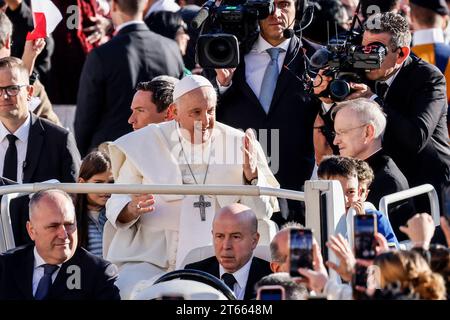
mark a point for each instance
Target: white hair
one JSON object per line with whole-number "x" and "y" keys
{"x": 367, "y": 111}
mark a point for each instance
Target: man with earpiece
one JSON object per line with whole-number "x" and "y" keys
{"x": 412, "y": 94}
{"x": 266, "y": 92}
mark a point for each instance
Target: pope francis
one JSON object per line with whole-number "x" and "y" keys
{"x": 151, "y": 234}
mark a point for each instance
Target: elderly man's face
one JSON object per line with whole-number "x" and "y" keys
{"x": 53, "y": 229}
{"x": 196, "y": 113}
{"x": 282, "y": 262}
{"x": 351, "y": 134}
{"x": 13, "y": 106}
{"x": 234, "y": 242}
{"x": 144, "y": 111}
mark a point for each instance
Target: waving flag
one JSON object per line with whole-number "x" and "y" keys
{"x": 46, "y": 17}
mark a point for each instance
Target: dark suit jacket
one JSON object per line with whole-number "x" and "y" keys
{"x": 109, "y": 78}
{"x": 416, "y": 135}
{"x": 51, "y": 154}
{"x": 258, "y": 269}
{"x": 389, "y": 179}
{"x": 290, "y": 119}
{"x": 96, "y": 283}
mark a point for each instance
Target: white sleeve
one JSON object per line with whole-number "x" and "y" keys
{"x": 126, "y": 174}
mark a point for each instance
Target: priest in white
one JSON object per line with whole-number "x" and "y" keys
{"x": 152, "y": 234}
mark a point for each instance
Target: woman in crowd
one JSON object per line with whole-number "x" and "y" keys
{"x": 411, "y": 272}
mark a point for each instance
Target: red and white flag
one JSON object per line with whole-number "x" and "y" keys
{"x": 46, "y": 17}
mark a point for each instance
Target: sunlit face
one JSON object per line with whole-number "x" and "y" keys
{"x": 282, "y": 241}
{"x": 273, "y": 26}
{"x": 144, "y": 111}
{"x": 350, "y": 187}
{"x": 13, "y": 107}
{"x": 97, "y": 201}
{"x": 363, "y": 190}
{"x": 351, "y": 134}
{"x": 234, "y": 242}
{"x": 53, "y": 229}
{"x": 196, "y": 114}
{"x": 392, "y": 61}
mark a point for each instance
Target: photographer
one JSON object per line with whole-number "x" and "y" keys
{"x": 262, "y": 94}
{"x": 412, "y": 93}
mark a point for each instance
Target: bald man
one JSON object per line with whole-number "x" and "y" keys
{"x": 155, "y": 233}
{"x": 279, "y": 248}
{"x": 235, "y": 236}
{"x": 54, "y": 268}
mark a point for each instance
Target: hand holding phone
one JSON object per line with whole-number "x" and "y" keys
{"x": 365, "y": 228}
{"x": 300, "y": 251}
{"x": 271, "y": 293}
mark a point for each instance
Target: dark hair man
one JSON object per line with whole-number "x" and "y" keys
{"x": 151, "y": 102}
{"x": 264, "y": 92}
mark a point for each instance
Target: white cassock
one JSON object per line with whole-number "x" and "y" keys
{"x": 157, "y": 242}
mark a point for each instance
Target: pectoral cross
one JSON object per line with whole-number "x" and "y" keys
{"x": 202, "y": 205}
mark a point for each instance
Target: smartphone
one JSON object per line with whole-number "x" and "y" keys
{"x": 271, "y": 293}
{"x": 300, "y": 251}
{"x": 365, "y": 227}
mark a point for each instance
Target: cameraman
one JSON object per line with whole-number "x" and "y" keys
{"x": 412, "y": 93}
{"x": 261, "y": 94}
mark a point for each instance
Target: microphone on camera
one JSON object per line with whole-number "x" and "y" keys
{"x": 320, "y": 58}
{"x": 202, "y": 14}
{"x": 288, "y": 33}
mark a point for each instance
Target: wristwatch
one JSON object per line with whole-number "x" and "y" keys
{"x": 253, "y": 182}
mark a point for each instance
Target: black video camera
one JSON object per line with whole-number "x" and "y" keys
{"x": 347, "y": 62}
{"x": 226, "y": 28}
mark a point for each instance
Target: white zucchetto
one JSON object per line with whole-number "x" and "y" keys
{"x": 190, "y": 83}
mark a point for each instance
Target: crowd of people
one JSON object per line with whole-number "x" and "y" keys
{"x": 147, "y": 113}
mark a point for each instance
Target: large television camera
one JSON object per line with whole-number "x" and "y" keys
{"x": 346, "y": 60}
{"x": 227, "y": 27}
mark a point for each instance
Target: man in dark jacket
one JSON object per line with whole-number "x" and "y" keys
{"x": 412, "y": 94}
{"x": 269, "y": 97}
{"x": 235, "y": 236}
{"x": 53, "y": 268}
{"x": 359, "y": 125}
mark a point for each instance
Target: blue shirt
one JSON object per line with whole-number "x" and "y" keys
{"x": 384, "y": 227}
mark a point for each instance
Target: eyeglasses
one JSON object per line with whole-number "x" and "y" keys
{"x": 342, "y": 132}
{"x": 13, "y": 90}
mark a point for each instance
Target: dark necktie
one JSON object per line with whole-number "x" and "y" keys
{"x": 381, "y": 88}
{"x": 10, "y": 163}
{"x": 46, "y": 282}
{"x": 229, "y": 280}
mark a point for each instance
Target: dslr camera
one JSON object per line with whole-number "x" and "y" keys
{"x": 227, "y": 28}
{"x": 347, "y": 61}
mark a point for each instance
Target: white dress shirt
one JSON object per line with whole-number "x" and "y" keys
{"x": 256, "y": 62}
{"x": 38, "y": 271}
{"x": 426, "y": 36}
{"x": 21, "y": 144}
{"x": 241, "y": 277}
